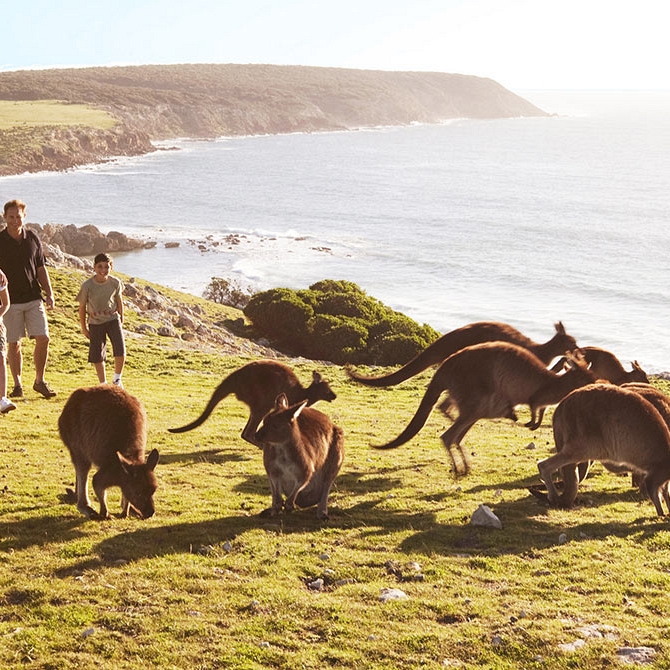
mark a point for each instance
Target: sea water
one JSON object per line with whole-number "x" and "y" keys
{"x": 524, "y": 220}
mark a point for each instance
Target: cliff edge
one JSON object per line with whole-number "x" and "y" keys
{"x": 160, "y": 102}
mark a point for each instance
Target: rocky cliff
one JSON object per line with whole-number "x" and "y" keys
{"x": 162, "y": 102}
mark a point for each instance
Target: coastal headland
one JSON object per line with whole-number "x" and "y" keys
{"x": 141, "y": 105}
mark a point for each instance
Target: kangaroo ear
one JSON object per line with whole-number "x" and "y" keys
{"x": 559, "y": 328}
{"x": 152, "y": 459}
{"x": 281, "y": 402}
{"x": 636, "y": 366}
{"x": 123, "y": 461}
{"x": 576, "y": 359}
{"x": 299, "y": 409}
{"x": 316, "y": 377}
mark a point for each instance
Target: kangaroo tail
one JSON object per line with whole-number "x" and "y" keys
{"x": 226, "y": 387}
{"x": 430, "y": 398}
{"x": 432, "y": 355}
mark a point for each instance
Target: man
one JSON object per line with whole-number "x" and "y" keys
{"x": 22, "y": 260}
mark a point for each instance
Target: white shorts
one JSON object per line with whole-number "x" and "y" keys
{"x": 26, "y": 318}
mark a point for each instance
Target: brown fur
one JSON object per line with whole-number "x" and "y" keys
{"x": 661, "y": 402}
{"x": 487, "y": 381}
{"x": 258, "y": 384}
{"x": 105, "y": 426}
{"x": 302, "y": 452}
{"x": 474, "y": 333}
{"x": 605, "y": 365}
{"x": 604, "y": 422}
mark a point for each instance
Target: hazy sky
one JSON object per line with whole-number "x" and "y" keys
{"x": 523, "y": 44}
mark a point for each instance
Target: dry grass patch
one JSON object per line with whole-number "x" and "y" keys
{"x": 23, "y": 113}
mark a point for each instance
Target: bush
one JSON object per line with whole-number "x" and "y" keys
{"x": 227, "y": 292}
{"x": 337, "y": 321}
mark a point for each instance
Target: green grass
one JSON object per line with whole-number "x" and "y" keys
{"x": 27, "y": 113}
{"x": 206, "y": 583}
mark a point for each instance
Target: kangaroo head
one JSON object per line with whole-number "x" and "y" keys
{"x": 319, "y": 389}
{"x": 138, "y": 483}
{"x": 640, "y": 375}
{"x": 566, "y": 342}
{"x": 278, "y": 424}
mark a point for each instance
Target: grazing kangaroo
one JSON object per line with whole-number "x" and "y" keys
{"x": 258, "y": 384}
{"x": 604, "y": 422}
{"x": 302, "y": 453}
{"x": 606, "y": 365}
{"x": 487, "y": 381}
{"x": 474, "y": 333}
{"x": 105, "y": 426}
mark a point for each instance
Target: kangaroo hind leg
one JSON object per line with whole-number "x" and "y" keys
{"x": 451, "y": 439}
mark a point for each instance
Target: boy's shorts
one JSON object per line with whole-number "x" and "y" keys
{"x": 26, "y": 318}
{"x": 97, "y": 345}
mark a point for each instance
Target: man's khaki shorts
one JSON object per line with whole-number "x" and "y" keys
{"x": 26, "y": 318}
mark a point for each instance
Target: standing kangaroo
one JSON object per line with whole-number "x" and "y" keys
{"x": 605, "y": 365}
{"x": 258, "y": 384}
{"x": 487, "y": 381}
{"x": 302, "y": 453}
{"x": 474, "y": 333}
{"x": 105, "y": 426}
{"x": 604, "y": 422}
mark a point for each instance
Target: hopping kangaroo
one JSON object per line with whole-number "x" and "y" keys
{"x": 302, "y": 453}
{"x": 474, "y": 333}
{"x": 487, "y": 381}
{"x": 258, "y": 384}
{"x": 605, "y": 365}
{"x": 604, "y": 422}
{"x": 105, "y": 426}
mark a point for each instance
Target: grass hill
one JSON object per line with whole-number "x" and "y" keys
{"x": 206, "y": 583}
{"x": 155, "y": 102}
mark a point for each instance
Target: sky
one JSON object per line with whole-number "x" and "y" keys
{"x": 522, "y": 44}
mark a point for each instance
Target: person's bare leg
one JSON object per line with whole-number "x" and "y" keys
{"x": 100, "y": 370}
{"x": 15, "y": 360}
{"x": 40, "y": 357}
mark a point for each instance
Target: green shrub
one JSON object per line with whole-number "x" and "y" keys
{"x": 337, "y": 321}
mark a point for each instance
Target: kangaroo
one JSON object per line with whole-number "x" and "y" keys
{"x": 105, "y": 426}
{"x": 604, "y": 422}
{"x": 661, "y": 402}
{"x": 486, "y": 381}
{"x": 258, "y": 384}
{"x": 474, "y": 333}
{"x": 302, "y": 453}
{"x": 607, "y": 366}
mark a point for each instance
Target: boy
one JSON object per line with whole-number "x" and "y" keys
{"x": 100, "y": 299}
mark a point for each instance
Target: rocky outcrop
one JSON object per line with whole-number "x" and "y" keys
{"x": 84, "y": 241}
{"x": 158, "y": 102}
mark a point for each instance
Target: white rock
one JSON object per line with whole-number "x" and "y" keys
{"x": 483, "y": 516}
{"x": 572, "y": 646}
{"x": 392, "y": 594}
{"x": 316, "y": 585}
{"x": 636, "y": 654}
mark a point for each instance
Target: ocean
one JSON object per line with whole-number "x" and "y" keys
{"x": 524, "y": 220}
